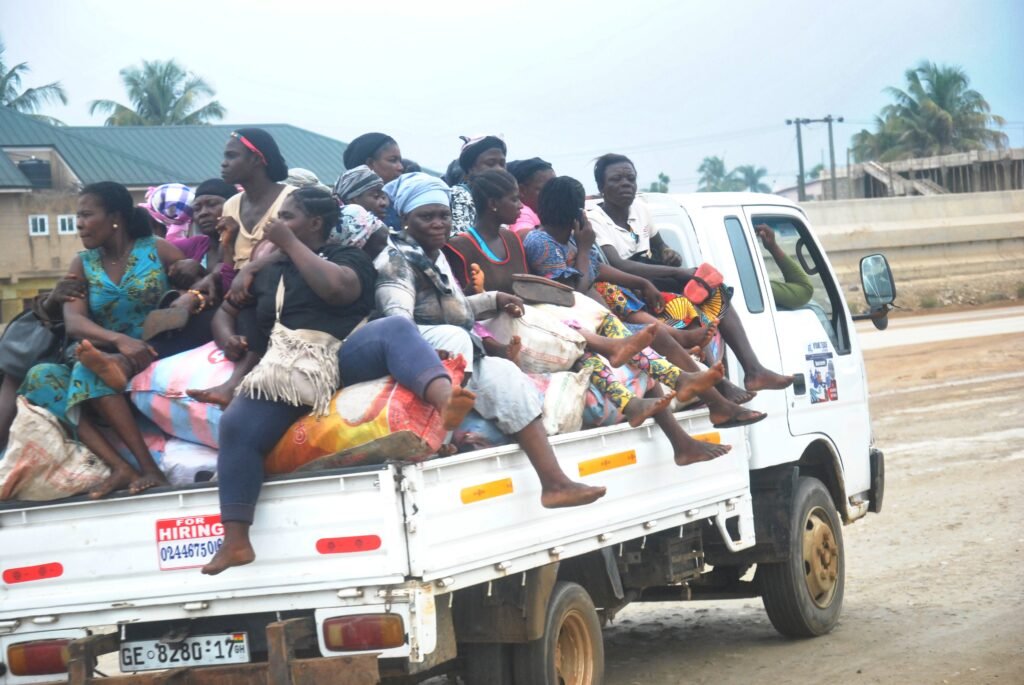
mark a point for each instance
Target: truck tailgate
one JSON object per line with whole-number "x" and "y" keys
{"x": 118, "y": 556}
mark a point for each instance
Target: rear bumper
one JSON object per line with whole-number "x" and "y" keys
{"x": 877, "y": 491}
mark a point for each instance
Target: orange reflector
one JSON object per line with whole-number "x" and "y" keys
{"x": 607, "y": 462}
{"x": 364, "y": 632}
{"x": 25, "y": 574}
{"x": 40, "y": 657}
{"x": 713, "y": 438}
{"x": 496, "y": 488}
{"x": 355, "y": 543}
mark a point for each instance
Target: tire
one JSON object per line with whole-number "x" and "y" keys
{"x": 486, "y": 664}
{"x": 803, "y": 595}
{"x": 571, "y": 652}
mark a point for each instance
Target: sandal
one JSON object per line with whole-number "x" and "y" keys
{"x": 163, "y": 320}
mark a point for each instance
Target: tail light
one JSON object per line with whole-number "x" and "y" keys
{"x": 364, "y": 632}
{"x": 41, "y": 657}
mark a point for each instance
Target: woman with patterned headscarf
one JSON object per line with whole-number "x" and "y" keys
{"x": 170, "y": 205}
{"x": 364, "y": 187}
{"x": 478, "y": 154}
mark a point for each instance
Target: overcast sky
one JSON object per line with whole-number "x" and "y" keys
{"x": 667, "y": 83}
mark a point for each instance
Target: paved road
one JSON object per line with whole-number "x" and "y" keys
{"x": 916, "y": 330}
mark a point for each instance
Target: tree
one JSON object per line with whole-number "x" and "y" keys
{"x": 814, "y": 173}
{"x": 27, "y": 101}
{"x": 714, "y": 178}
{"x": 937, "y": 113}
{"x": 750, "y": 177}
{"x": 661, "y": 185}
{"x": 161, "y": 94}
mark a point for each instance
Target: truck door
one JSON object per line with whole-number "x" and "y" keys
{"x": 815, "y": 340}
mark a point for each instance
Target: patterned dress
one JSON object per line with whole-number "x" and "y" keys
{"x": 119, "y": 307}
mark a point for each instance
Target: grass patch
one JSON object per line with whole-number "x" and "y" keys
{"x": 929, "y": 302}
{"x": 1020, "y": 291}
{"x": 996, "y": 297}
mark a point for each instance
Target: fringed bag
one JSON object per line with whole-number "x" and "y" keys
{"x": 299, "y": 368}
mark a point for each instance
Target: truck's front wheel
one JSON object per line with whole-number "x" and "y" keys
{"x": 804, "y": 594}
{"x": 571, "y": 651}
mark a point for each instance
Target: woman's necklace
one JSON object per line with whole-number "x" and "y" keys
{"x": 120, "y": 257}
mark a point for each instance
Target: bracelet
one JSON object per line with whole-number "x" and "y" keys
{"x": 202, "y": 300}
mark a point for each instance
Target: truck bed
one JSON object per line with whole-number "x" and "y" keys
{"x": 453, "y": 522}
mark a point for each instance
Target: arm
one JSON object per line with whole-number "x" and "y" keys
{"x": 663, "y": 253}
{"x": 395, "y": 292}
{"x": 647, "y": 271}
{"x": 224, "y": 327}
{"x": 485, "y": 305}
{"x": 797, "y": 289}
{"x": 647, "y": 290}
{"x": 333, "y": 283}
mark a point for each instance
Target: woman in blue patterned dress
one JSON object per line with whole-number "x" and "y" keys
{"x": 124, "y": 268}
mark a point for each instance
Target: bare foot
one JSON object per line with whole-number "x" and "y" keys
{"x": 766, "y": 380}
{"x": 476, "y": 278}
{"x": 693, "y": 451}
{"x": 147, "y": 481}
{"x": 447, "y": 450}
{"x": 627, "y": 348}
{"x": 639, "y": 409}
{"x": 458, "y": 406}
{"x": 571, "y": 495}
{"x": 119, "y": 478}
{"x": 512, "y": 350}
{"x": 692, "y": 384}
{"x": 227, "y": 556}
{"x": 103, "y": 365}
{"x": 734, "y": 393}
{"x": 698, "y": 336}
{"x": 220, "y": 395}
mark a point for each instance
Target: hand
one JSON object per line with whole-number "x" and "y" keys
{"x": 67, "y": 289}
{"x": 278, "y": 233}
{"x": 584, "y": 233}
{"x": 240, "y": 295}
{"x": 137, "y": 352}
{"x": 228, "y": 228}
{"x": 235, "y": 347}
{"x": 652, "y": 297}
{"x": 209, "y": 285}
{"x": 510, "y": 304}
{"x": 670, "y": 257}
{"x": 767, "y": 236}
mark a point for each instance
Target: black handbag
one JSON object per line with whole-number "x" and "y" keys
{"x": 27, "y": 341}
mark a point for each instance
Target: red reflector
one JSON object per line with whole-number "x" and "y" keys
{"x": 356, "y": 543}
{"x": 364, "y": 632}
{"x": 41, "y": 657}
{"x": 39, "y": 572}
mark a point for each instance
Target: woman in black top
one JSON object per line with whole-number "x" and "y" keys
{"x": 328, "y": 288}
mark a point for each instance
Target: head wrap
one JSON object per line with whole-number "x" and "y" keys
{"x": 216, "y": 186}
{"x": 476, "y": 146}
{"x": 263, "y": 145}
{"x": 355, "y": 182}
{"x": 170, "y": 204}
{"x": 364, "y": 147}
{"x": 523, "y": 169}
{"x": 304, "y": 178}
{"x": 454, "y": 175}
{"x": 355, "y": 226}
{"x": 409, "y": 191}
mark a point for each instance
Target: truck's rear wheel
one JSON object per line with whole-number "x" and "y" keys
{"x": 804, "y": 594}
{"x": 571, "y": 652}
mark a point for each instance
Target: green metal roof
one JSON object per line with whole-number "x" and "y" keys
{"x": 10, "y": 175}
{"x": 152, "y": 155}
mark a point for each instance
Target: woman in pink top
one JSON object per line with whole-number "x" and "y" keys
{"x": 531, "y": 175}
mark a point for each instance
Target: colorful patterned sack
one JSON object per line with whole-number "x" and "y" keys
{"x": 600, "y": 411}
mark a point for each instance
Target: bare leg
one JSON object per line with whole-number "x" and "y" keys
{"x": 451, "y": 403}
{"x": 687, "y": 450}
{"x": 558, "y": 490}
{"x": 618, "y": 351}
{"x": 121, "y": 472}
{"x": 756, "y": 376}
{"x": 236, "y": 551}
{"x": 221, "y": 394}
{"x": 116, "y": 412}
{"x": 8, "y": 407}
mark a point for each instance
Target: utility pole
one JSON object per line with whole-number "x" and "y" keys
{"x": 800, "y": 151}
{"x": 800, "y": 190}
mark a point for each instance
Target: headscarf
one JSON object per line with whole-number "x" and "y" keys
{"x": 171, "y": 205}
{"x": 216, "y": 186}
{"x": 355, "y": 182}
{"x": 304, "y": 178}
{"x": 409, "y": 191}
{"x": 475, "y": 146}
{"x": 355, "y": 227}
{"x": 523, "y": 169}
{"x": 364, "y": 147}
{"x": 263, "y": 145}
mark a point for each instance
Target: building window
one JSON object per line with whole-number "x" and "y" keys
{"x": 38, "y": 224}
{"x": 66, "y": 224}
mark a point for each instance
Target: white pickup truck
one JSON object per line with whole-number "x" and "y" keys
{"x": 407, "y": 570}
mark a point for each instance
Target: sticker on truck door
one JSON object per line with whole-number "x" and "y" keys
{"x": 821, "y": 373}
{"x": 188, "y": 542}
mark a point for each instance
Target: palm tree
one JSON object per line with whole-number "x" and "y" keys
{"x": 936, "y": 114}
{"x": 31, "y": 99}
{"x": 714, "y": 178}
{"x": 661, "y": 185}
{"x": 750, "y": 176}
{"x": 161, "y": 94}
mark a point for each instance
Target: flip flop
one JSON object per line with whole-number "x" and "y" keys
{"x": 736, "y": 423}
{"x": 540, "y": 290}
{"x": 162, "y": 320}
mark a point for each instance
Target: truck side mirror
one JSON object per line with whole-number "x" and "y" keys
{"x": 879, "y": 288}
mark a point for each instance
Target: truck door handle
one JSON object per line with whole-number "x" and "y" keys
{"x": 799, "y": 384}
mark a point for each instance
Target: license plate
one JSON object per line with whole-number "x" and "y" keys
{"x": 201, "y": 650}
{"x": 188, "y": 542}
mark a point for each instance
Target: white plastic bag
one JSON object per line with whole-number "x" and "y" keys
{"x": 587, "y": 312}
{"x": 184, "y": 460}
{"x": 564, "y": 400}
{"x": 549, "y": 345}
{"x": 42, "y": 463}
